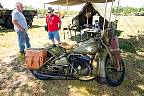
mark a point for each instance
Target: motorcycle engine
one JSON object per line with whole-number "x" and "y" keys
{"x": 79, "y": 57}
{"x": 81, "y": 64}
{"x": 62, "y": 61}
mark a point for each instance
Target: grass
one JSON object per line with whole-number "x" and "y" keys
{"x": 11, "y": 69}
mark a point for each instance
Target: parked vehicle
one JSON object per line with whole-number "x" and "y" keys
{"x": 6, "y": 19}
{"x": 95, "y": 55}
{"x": 87, "y": 60}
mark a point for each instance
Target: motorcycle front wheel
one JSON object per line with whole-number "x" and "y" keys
{"x": 114, "y": 77}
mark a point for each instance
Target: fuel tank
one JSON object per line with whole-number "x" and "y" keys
{"x": 87, "y": 47}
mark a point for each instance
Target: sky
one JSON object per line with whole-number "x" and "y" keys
{"x": 10, "y": 4}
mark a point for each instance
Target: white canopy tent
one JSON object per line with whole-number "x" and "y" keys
{"x": 100, "y": 7}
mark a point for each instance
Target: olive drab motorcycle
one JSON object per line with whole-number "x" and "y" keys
{"x": 98, "y": 56}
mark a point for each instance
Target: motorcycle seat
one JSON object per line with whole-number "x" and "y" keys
{"x": 68, "y": 45}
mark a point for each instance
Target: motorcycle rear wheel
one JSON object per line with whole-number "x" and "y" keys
{"x": 114, "y": 77}
{"x": 39, "y": 75}
{"x": 42, "y": 73}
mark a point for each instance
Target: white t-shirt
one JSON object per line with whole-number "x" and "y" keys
{"x": 17, "y": 15}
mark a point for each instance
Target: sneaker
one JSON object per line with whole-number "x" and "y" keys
{"x": 22, "y": 57}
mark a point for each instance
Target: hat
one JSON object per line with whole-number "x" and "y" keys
{"x": 50, "y": 9}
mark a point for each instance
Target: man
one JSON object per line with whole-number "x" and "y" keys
{"x": 20, "y": 26}
{"x": 53, "y": 25}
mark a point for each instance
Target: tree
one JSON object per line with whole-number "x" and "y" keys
{"x": 127, "y": 10}
{"x": 29, "y": 7}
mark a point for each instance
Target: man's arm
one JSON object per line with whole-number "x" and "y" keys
{"x": 18, "y": 25}
{"x": 15, "y": 17}
{"x": 46, "y": 18}
{"x": 59, "y": 21}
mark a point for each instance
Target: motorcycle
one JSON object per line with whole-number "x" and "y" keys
{"x": 87, "y": 60}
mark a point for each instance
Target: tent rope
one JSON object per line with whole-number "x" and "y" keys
{"x": 140, "y": 42}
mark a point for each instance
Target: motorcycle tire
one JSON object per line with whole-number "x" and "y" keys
{"x": 40, "y": 73}
{"x": 39, "y": 76}
{"x": 114, "y": 77}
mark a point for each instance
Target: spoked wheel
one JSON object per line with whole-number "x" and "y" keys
{"x": 114, "y": 76}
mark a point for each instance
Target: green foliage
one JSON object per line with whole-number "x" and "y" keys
{"x": 29, "y": 7}
{"x": 127, "y": 10}
{"x": 132, "y": 45}
{"x": 64, "y": 12}
{"x": 127, "y": 46}
{"x": 42, "y": 12}
{"x": 118, "y": 32}
{"x": 69, "y": 12}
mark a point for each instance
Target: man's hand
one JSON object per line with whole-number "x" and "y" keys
{"x": 16, "y": 24}
{"x": 22, "y": 29}
{"x": 59, "y": 26}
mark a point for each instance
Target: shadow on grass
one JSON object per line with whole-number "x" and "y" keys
{"x": 37, "y": 87}
{"x": 132, "y": 44}
{"x": 118, "y": 32}
{"x": 134, "y": 78}
{"x": 131, "y": 86}
{"x": 35, "y": 26}
{"x": 17, "y": 65}
{"x": 6, "y": 30}
{"x": 134, "y": 75}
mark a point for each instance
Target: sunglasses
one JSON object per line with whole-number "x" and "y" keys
{"x": 49, "y": 12}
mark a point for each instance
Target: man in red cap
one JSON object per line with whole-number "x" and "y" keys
{"x": 53, "y": 25}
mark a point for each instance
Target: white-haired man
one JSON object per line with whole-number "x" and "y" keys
{"x": 20, "y": 26}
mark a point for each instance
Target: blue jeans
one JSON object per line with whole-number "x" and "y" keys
{"x": 54, "y": 34}
{"x": 22, "y": 40}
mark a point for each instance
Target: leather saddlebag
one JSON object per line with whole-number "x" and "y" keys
{"x": 35, "y": 58}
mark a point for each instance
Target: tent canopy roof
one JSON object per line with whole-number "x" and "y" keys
{"x": 97, "y": 8}
{"x": 75, "y": 2}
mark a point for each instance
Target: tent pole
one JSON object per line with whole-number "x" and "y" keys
{"x": 67, "y": 3}
{"x": 44, "y": 5}
{"x": 104, "y": 16}
{"x": 117, "y": 10}
{"x": 87, "y": 18}
{"x": 67, "y": 19}
{"x": 111, "y": 11}
{"x": 58, "y": 9}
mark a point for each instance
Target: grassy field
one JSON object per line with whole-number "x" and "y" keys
{"x": 15, "y": 80}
